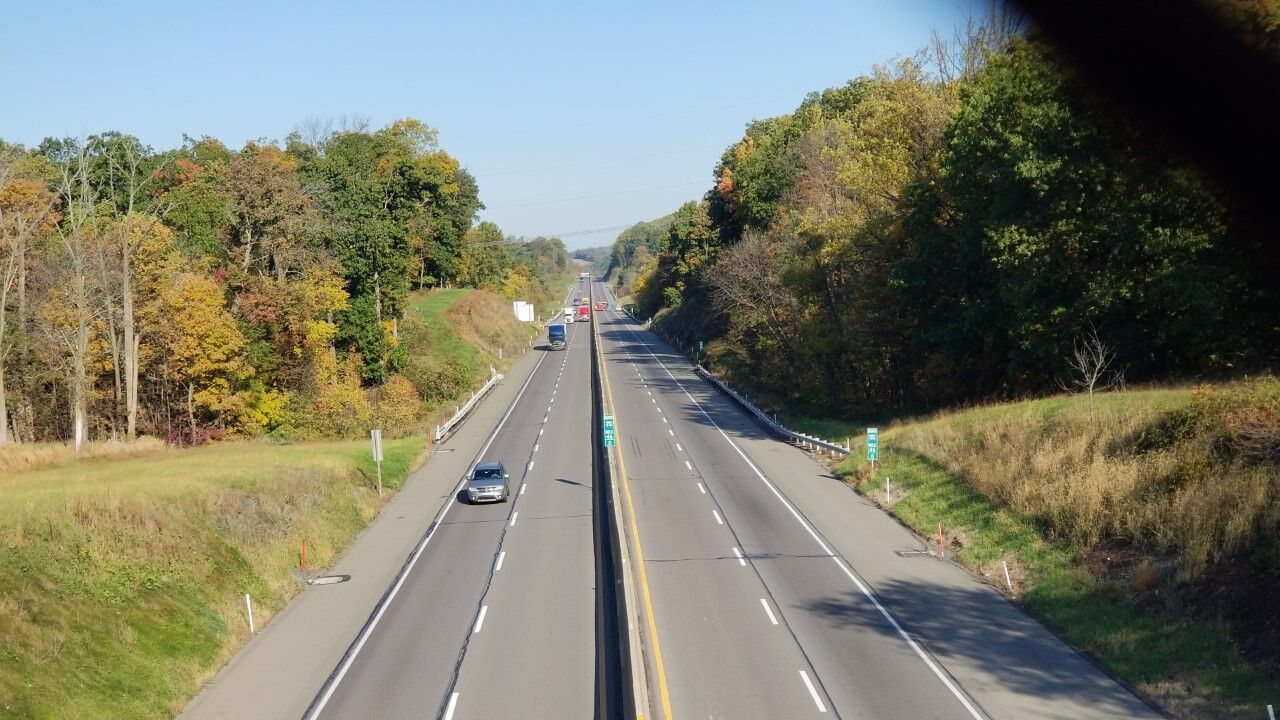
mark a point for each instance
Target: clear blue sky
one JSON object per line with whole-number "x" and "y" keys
{"x": 513, "y": 88}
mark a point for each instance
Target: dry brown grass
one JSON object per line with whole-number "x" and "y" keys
{"x": 485, "y": 320}
{"x": 1187, "y": 471}
{"x": 16, "y": 457}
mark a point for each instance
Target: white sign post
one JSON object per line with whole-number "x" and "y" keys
{"x": 376, "y": 436}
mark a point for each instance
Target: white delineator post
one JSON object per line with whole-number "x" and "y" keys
{"x": 1007, "y": 580}
{"x": 376, "y": 436}
{"x": 248, "y": 607}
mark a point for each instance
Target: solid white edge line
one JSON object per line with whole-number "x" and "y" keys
{"x": 514, "y": 515}
{"x": 484, "y": 610}
{"x": 768, "y": 611}
{"x": 741, "y": 560}
{"x": 813, "y": 692}
{"x": 367, "y": 630}
{"x": 501, "y": 556}
{"x": 453, "y": 703}
{"x": 928, "y": 661}
{"x": 719, "y": 520}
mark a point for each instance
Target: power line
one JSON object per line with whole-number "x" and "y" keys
{"x": 596, "y": 162}
{"x": 571, "y": 233}
{"x": 602, "y": 195}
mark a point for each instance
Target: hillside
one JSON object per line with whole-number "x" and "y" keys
{"x": 1143, "y": 526}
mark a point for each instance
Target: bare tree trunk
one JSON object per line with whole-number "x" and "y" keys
{"x": 191, "y": 410}
{"x": 131, "y": 342}
{"x": 6, "y": 282}
{"x": 248, "y": 247}
{"x": 4, "y": 411}
{"x": 131, "y": 389}
{"x": 80, "y": 353}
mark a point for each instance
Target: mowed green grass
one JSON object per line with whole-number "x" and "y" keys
{"x": 977, "y": 471}
{"x": 441, "y": 333}
{"x": 122, "y": 581}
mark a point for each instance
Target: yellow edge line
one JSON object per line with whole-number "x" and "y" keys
{"x": 663, "y": 695}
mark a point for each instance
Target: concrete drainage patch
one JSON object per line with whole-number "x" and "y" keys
{"x": 329, "y": 580}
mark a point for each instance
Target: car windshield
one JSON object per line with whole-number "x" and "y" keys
{"x": 487, "y": 474}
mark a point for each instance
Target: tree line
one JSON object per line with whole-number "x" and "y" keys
{"x": 201, "y": 290}
{"x": 947, "y": 229}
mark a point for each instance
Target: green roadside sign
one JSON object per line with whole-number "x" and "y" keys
{"x": 873, "y": 443}
{"x": 608, "y": 431}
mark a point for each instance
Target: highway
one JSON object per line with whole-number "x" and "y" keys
{"x": 759, "y": 615}
{"x": 766, "y": 588}
{"x": 498, "y": 610}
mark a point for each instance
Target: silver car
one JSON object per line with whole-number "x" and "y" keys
{"x": 488, "y": 483}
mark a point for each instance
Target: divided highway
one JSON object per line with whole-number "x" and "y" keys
{"x": 498, "y": 610}
{"x": 764, "y": 587}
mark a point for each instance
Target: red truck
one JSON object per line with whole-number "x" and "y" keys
{"x": 584, "y": 313}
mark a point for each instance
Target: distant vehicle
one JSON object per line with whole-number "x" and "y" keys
{"x": 577, "y": 299}
{"x": 583, "y": 275}
{"x": 489, "y": 483}
{"x": 600, "y": 306}
{"x": 584, "y": 313}
{"x": 568, "y": 312}
{"x": 556, "y": 338}
{"x": 568, "y": 320}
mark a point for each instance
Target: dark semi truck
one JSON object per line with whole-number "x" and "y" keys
{"x": 556, "y": 338}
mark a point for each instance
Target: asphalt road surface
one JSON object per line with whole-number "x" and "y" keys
{"x": 497, "y": 616}
{"x": 762, "y": 611}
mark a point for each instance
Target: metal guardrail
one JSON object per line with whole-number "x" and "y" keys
{"x": 464, "y": 410}
{"x": 773, "y": 425}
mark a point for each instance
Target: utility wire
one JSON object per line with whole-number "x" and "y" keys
{"x": 602, "y": 195}
{"x": 596, "y": 162}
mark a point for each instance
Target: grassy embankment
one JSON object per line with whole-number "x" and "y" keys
{"x": 454, "y": 336}
{"x": 122, "y": 574}
{"x": 1143, "y": 527}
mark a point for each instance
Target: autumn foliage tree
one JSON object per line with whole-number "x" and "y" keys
{"x": 203, "y": 291}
